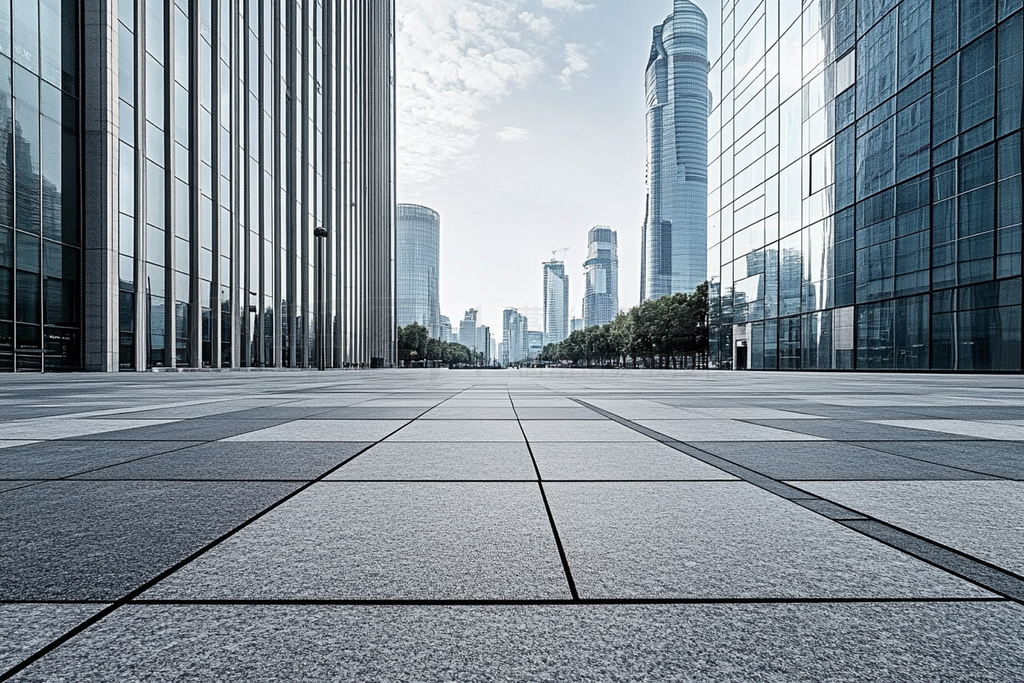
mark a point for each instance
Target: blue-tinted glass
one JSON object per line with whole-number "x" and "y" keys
{"x": 945, "y": 100}
{"x": 912, "y": 194}
{"x": 126, "y": 65}
{"x": 876, "y": 64}
{"x": 913, "y": 253}
{"x": 155, "y": 194}
{"x": 1008, "y": 210}
{"x": 26, "y": 168}
{"x": 155, "y": 92}
{"x": 52, "y": 175}
{"x": 912, "y": 333}
{"x": 155, "y": 28}
{"x": 876, "y": 163}
{"x": 26, "y": 35}
{"x": 915, "y": 47}
{"x": 977, "y": 82}
{"x": 790, "y": 272}
{"x": 976, "y": 17}
{"x": 988, "y": 339}
{"x": 1010, "y": 156}
{"x": 6, "y": 144}
{"x": 875, "y": 272}
{"x": 977, "y": 211}
{"x": 913, "y": 139}
{"x": 912, "y": 222}
{"x": 126, "y": 13}
{"x": 1011, "y": 66}
{"x": 875, "y": 337}
{"x": 944, "y": 221}
{"x": 51, "y": 25}
{"x": 978, "y": 168}
{"x": 945, "y": 34}
{"x": 1008, "y": 7}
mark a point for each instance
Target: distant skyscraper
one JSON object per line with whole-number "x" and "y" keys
{"x": 601, "y": 301}
{"x": 515, "y": 336}
{"x": 444, "y": 332}
{"x": 418, "y": 267}
{"x": 556, "y": 302}
{"x": 674, "y": 253}
{"x": 483, "y": 343}
{"x": 467, "y": 330}
{"x": 575, "y": 325}
{"x": 536, "y": 341}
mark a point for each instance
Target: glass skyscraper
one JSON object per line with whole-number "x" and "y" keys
{"x": 601, "y": 299}
{"x": 556, "y": 302}
{"x": 515, "y": 336}
{"x": 674, "y": 250}
{"x": 165, "y": 172}
{"x": 418, "y": 267}
{"x": 865, "y": 210}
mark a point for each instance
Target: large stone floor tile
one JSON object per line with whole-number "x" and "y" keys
{"x": 27, "y": 628}
{"x": 342, "y": 540}
{"x": 641, "y": 409}
{"x": 723, "y": 430}
{"x": 454, "y": 431}
{"x": 725, "y": 540}
{"x": 828, "y": 460}
{"x": 49, "y": 428}
{"x": 560, "y": 413}
{"x": 426, "y": 461}
{"x": 449, "y": 411}
{"x": 14, "y": 444}
{"x": 854, "y": 430}
{"x": 984, "y": 519}
{"x": 979, "y": 430}
{"x": 625, "y": 461}
{"x": 59, "y": 459}
{"x": 81, "y": 540}
{"x": 997, "y": 458}
{"x": 580, "y": 431}
{"x": 860, "y": 643}
{"x": 324, "y": 430}
{"x": 198, "y": 429}
{"x": 356, "y": 413}
{"x": 232, "y": 460}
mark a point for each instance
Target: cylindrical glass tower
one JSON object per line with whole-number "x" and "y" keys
{"x": 418, "y": 268}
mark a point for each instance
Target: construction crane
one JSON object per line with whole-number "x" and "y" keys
{"x": 555, "y": 252}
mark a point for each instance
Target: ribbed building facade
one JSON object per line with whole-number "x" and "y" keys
{"x": 556, "y": 302}
{"x": 866, "y": 201}
{"x": 418, "y": 267}
{"x": 206, "y": 144}
{"x": 601, "y": 297}
{"x": 674, "y": 249}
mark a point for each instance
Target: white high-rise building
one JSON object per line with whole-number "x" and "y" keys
{"x": 556, "y": 302}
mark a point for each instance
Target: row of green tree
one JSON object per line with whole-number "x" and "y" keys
{"x": 669, "y": 332}
{"x": 415, "y": 344}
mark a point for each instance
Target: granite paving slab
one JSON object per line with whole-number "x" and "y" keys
{"x": 573, "y": 431}
{"x": 441, "y": 461}
{"x": 460, "y": 431}
{"x": 197, "y": 429}
{"x": 829, "y": 460}
{"x": 996, "y": 458}
{"x": 863, "y": 643}
{"x": 449, "y": 411}
{"x": 232, "y": 460}
{"x": 50, "y": 428}
{"x": 27, "y": 628}
{"x": 559, "y": 413}
{"x": 640, "y": 409}
{"x": 980, "y": 430}
{"x": 12, "y": 484}
{"x": 59, "y": 459}
{"x": 854, "y": 430}
{"x": 625, "y": 461}
{"x": 82, "y": 540}
{"x": 387, "y": 540}
{"x": 725, "y": 540}
{"x": 280, "y": 413}
{"x": 724, "y": 430}
{"x": 984, "y": 519}
{"x": 324, "y": 430}
{"x": 356, "y": 413}
{"x": 13, "y": 444}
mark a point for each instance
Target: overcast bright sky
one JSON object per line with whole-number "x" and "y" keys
{"x": 522, "y": 122}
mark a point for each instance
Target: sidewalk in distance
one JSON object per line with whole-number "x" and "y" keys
{"x": 517, "y": 525}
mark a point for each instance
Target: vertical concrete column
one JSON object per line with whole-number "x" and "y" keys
{"x": 100, "y": 184}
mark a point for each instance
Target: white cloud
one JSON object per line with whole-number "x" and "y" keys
{"x": 458, "y": 58}
{"x": 566, "y": 5}
{"x": 575, "y": 63}
{"x": 512, "y": 134}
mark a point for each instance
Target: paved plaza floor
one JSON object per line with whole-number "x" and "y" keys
{"x": 558, "y": 525}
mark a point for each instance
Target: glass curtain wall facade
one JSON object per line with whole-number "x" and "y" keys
{"x": 556, "y": 302}
{"x": 218, "y": 137}
{"x": 40, "y": 221}
{"x": 601, "y": 297}
{"x": 674, "y": 249}
{"x": 865, "y": 204}
{"x": 418, "y": 267}
{"x": 515, "y": 339}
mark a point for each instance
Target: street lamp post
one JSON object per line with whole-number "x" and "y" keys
{"x": 321, "y": 234}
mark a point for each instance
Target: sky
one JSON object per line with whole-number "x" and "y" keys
{"x": 522, "y": 122}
